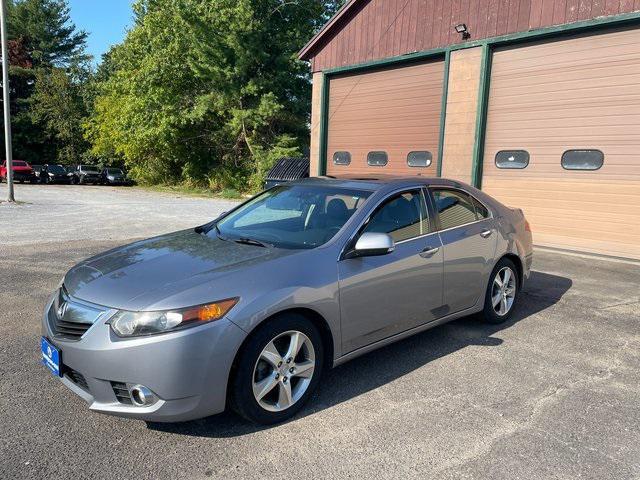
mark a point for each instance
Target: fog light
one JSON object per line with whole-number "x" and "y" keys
{"x": 141, "y": 396}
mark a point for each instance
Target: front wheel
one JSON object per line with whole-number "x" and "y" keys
{"x": 502, "y": 292}
{"x": 277, "y": 370}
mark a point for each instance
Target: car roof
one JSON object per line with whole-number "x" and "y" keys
{"x": 377, "y": 182}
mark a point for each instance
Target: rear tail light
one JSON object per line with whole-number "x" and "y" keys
{"x": 527, "y": 227}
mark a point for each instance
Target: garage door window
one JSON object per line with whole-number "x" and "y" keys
{"x": 419, "y": 159}
{"x": 515, "y": 159}
{"x": 341, "y": 158}
{"x": 582, "y": 159}
{"x": 377, "y": 159}
{"x": 404, "y": 216}
{"x": 454, "y": 208}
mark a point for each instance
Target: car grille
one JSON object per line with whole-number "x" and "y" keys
{"x": 121, "y": 392}
{"x": 76, "y": 377}
{"x": 74, "y": 319}
{"x": 68, "y": 330}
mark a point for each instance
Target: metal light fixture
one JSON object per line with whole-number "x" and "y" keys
{"x": 462, "y": 29}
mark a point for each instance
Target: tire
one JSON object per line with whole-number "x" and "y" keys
{"x": 506, "y": 298}
{"x": 252, "y": 370}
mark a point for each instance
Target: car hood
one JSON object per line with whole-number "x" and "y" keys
{"x": 151, "y": 272}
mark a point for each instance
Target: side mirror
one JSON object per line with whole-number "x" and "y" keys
{"x": 371, "y": 244}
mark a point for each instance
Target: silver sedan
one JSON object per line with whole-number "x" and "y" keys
{"x": 250, "y": 309}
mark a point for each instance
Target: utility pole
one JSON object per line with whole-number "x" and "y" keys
{"x": 5, "y": 100}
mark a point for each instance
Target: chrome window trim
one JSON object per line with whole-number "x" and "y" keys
{"x": 416, "y": 238}
{"x": 380, "y": 202}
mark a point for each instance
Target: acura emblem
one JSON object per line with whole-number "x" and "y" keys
{"x": 62, "y": 309}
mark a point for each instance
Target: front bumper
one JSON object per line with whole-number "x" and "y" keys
{"x": 188, "y": 370}
{"x": 22, "y": 177}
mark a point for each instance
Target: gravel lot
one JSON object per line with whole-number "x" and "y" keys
{"x": 552, "y": 394}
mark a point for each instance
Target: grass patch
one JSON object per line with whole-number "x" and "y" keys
{"x": 231, "y": 193}
{"x": 193, "y": 191}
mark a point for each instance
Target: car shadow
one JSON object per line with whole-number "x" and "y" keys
{"x": 374, "y": 369}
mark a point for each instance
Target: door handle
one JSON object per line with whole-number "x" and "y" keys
{"x": 429, "y": 251}
{"x": 486, "y": 233}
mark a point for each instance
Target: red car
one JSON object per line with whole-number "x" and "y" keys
{"x": 22, "y": 172}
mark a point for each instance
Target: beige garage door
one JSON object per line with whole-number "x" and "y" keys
{"x": 568, "y": 107}
{"x": 385, "y": 122}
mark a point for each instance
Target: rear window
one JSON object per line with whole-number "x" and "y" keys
{"x": 377, "y": 159}
{"x": 454, "y": 208}
{"x": 19, "y": 163}
{"x": 582, "y": 159}
{"x": 56, "y": 169}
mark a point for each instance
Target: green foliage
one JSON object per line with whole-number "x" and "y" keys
{"x": 45, "y": 46}
{"x": 207, "y": 91}
{"x": 58, "y": 106}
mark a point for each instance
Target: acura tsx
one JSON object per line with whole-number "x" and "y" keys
{"x": 249, "y": 309}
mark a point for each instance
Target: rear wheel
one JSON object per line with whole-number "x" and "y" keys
{"x": 502, "y": 292}
{"x": 277, "y": 370}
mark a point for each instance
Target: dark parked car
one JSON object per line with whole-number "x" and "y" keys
{"x": 54, "y": 173}
{"x": 86, "y": 174}
{"x": 22, "y": 172}
{"x": 114, "y": 176}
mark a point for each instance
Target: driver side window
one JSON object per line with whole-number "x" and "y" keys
{"x": 403, "y": 216}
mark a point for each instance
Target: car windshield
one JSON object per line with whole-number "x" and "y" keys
{"x": 114, "y": 171}
{"x": 19, "y": 163}
{"x": 88, "y": 169}
{"x": 292, "y": 216}
{"x": 56, "y": 169}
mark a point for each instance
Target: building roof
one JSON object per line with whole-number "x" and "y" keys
{"x": 304, "y": 53}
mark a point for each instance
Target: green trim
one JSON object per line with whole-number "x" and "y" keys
{"x": 324, "y": 123}
{"x": 443, "y": 109}
{"x": 383, "y": 62}
{"x": 571, "y": 28}
{"x": 481, "y": 117}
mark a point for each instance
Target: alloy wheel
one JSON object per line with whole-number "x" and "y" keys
{"x": 283, "y": 371}
{"x": 503, "y": 292}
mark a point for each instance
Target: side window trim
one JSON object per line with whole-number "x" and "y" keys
{"x": 439, "y": 228}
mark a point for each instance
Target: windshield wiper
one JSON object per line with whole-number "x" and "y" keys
{"x": 252, "y": 241}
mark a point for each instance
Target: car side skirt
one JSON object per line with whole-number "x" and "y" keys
{"x": 407, "y": 333}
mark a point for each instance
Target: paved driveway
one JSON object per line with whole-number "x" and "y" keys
{"x": 552, "y": 394}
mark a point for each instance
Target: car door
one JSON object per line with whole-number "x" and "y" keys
{"x": 469, "y": 237}
{"x": 384, "y": 295}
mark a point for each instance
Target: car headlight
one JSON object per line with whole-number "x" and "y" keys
{"x": 131, "y": 324}
{"x": 111, "y": 177}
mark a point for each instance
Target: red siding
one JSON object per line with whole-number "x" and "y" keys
{"x": 377, "y": 29}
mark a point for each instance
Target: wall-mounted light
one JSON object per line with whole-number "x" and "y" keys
{"x": 461, "y": 28}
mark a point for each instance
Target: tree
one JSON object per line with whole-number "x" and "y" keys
{"x": 58, "y": 106}
{"x": 41, "y": 37}
{"x": 203, "y": 87}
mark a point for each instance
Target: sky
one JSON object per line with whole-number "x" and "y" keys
{"x": 106, "y": 22}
